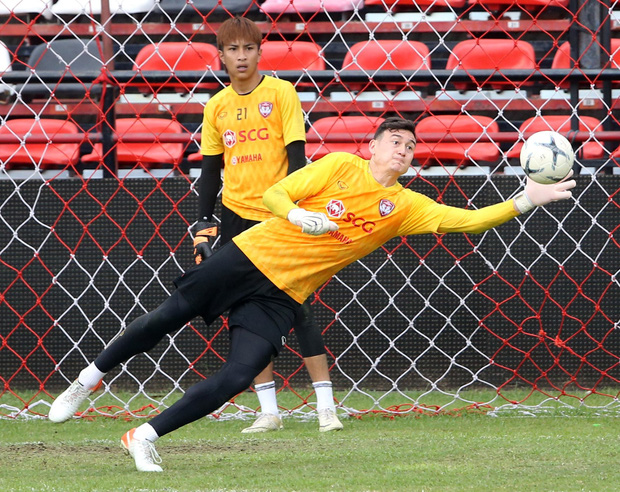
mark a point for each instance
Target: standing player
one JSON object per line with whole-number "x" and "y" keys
{"x": 264, "y": 288}
{"x": 255, "y": 126}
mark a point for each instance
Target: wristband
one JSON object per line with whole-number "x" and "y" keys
{"x": 523, "y": 203}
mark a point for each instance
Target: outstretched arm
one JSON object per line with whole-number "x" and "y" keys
{"x": 534, "y": 195}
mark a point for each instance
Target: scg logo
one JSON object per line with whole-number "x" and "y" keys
{"x": 366, "y": 226}
{"x": 230, "y": 137}
{"x": 253, "y": 135}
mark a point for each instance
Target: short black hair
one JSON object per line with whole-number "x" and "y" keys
{"x": 395, "y": 123}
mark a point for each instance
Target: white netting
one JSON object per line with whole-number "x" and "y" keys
{"x": 522, "y": 317}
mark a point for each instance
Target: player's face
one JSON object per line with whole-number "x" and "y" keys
{"x": 392, "y": 152}
{"x": 241, "y": 59}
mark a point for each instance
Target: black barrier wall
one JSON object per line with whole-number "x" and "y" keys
{"x": 534, "y": 301}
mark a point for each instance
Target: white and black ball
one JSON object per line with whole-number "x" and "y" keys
{"x": 547, "y": 157}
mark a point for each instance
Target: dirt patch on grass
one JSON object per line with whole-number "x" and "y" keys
{"x": 227, "y": 447}
{"x": 40, "y": 451}
{"x": 47, "y": 457}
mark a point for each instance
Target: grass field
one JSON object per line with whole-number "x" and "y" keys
{"x": 374, "y": 453}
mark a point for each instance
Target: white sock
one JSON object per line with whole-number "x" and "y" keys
{"x": 90, "y": 376}
{"x": 266, "y": 393}
{"x": 145, "y": 433}
{"x": 324, "y": 395}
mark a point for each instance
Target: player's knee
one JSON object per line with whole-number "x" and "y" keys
{"x": 147, "y": 330}
{"x": 239, "y": 376}
{"x": 196, "y": 393}
{"x": 142, "y": 337}
{"x": 313, "y": 351}
{"x": 230, "y": 380}
{"x": 310, "y": 341}
{"x": 308, "y": 333}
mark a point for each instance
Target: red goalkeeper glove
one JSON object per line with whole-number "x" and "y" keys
{"x": 204, "y": 234}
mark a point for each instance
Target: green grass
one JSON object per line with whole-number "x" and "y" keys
{"x": 440, "y": 453}
{"x": 563, "y": 448}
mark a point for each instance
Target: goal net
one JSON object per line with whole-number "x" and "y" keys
{"x": 100, "y": 115}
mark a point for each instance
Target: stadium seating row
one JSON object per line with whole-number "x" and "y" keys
{"x": 77, "y": 56}
{"x": 151, "y": 142}
{"x": 175, "y": 7}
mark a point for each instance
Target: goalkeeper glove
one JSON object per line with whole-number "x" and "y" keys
{"x": 538, "y": 195}
{"x": 204, "y": 234}
{"x": 314, "y": 223}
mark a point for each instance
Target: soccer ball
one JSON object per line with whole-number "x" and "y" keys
{"x": 547, "y": 157}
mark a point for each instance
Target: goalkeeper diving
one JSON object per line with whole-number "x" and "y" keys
{"x": 327, "y": 215}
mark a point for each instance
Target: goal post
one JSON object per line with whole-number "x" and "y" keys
{"x": 93, "y": 228}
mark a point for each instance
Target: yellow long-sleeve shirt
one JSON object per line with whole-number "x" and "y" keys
{"x": 367, "y": 213}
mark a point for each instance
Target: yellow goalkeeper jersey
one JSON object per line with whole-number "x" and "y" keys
{"x": 367, "y": 213}
{"x": 252, "y": 131}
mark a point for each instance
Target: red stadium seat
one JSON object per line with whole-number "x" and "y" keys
{"x": 562, "y": 124}
{"x": 45, "y": 155}
{"x": 149, "y": 152}
{"x": 293, "y": 55}
{"x": 173, "y": 57}
{"x": 373, "y": 56}
{"x": 491, "y": 54}
{"x": 195, "y": 157}
{"x": 563, "y": 60}
{"x": 341, "y": 134}
{"x": 310, "y": 6}
{"x": 427, "y": 151}
{"x": 615, "y": 53}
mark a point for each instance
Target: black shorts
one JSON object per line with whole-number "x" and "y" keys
{"x": 307, "y": 332}
{"x": 232, "y": 225}
{"x": 228, "y": 280}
